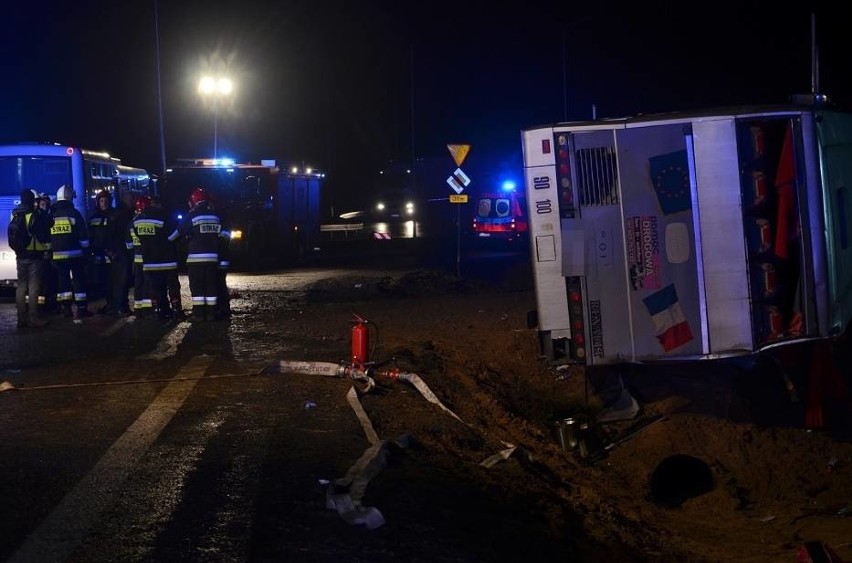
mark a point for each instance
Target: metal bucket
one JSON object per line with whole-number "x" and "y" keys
{"x": 566, "y": 433}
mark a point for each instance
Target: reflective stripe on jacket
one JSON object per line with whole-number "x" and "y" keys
{"x": 69, "y": 235}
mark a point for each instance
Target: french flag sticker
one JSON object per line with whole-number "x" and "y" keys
{"x": 667, "y": 318}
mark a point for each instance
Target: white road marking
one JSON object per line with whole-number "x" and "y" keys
{"x": 155, "y": 495}
{"x": 113, "y": 328}
{"x": 64, "y": 528}
{"x": 168, "y": 345}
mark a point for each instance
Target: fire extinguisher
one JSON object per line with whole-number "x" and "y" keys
{"x": 360, "y": 342}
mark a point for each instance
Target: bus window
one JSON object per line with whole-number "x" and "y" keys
{"x": 44, "y": 174}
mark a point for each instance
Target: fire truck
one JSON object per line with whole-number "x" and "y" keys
{"x": 273, "y": 212}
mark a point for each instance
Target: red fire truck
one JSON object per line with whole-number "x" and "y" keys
{"x": 273, "y": 212}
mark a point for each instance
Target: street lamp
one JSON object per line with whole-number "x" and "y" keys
{"x": 216, "y": 88}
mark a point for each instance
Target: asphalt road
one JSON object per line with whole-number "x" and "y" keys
{"x": 125, "y": 440}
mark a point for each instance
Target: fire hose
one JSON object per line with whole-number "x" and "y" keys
{"x": 346, "y": 493}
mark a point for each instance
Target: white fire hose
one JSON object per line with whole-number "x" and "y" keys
{"x": 345, "y": 493}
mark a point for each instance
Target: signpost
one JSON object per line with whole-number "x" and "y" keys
{"x": 458, "y": 182}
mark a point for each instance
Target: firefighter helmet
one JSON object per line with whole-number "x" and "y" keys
{"x": 197, "y": 196}
{"x": 141, "y": 203}
{"x": 27, "y": 198}
{"x": 103, "y": 193}
{"x": 65, "y": 193}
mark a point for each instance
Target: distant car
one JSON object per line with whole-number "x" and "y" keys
{"x": 501, "y": 216}
{"x": 394, "y": 207}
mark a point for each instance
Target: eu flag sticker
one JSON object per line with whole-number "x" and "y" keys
{"x": 670, "y": 177}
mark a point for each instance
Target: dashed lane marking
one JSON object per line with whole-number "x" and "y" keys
{"x": 64, "y": 528}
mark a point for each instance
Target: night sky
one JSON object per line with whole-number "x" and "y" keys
{"x": 341, "y": 84}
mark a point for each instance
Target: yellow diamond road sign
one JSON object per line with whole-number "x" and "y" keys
{"x": 459, "y": 152}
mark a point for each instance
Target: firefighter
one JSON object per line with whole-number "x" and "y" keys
{"x": 157, "y": 235}
{"x": 223, "y": 303}
{"x": 222, "y": 310}
{"x": 101, "y": 224}
{"x": 47, "y": 300}
{"x": 121, "y": 269}
{"x": 173, "y": 290}
{"x": 141, "y": 300}
{"x": 29, "y": 258}
{"x": 202, "y": 228}
{"x": 69, "y": 241}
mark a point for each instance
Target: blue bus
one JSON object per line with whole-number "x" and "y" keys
{"x": 44, "y": 168}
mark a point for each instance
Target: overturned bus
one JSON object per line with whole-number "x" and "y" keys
{"x": 690, "y": 235}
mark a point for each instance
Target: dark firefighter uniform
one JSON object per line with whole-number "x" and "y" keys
{"x": 141, "y": 300}
{"x": 30, "y": 262}
{"x": 101, "y": 233}
{"x": 223, "y": 304}
{"x": 121, "y": 268}
{"x": 157, "y": 235}
{"x": 69, "y": 242}
{"x": 202, "y": 228}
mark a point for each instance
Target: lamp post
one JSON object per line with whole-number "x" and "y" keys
{"x": 216, "y": 88}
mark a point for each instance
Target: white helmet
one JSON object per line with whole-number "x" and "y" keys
{"x": 65, "y": 192}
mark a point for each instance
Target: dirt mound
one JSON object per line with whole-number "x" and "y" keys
{"x": 750, "y": 492}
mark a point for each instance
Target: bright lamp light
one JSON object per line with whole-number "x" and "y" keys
{"x": 209, "y": 85}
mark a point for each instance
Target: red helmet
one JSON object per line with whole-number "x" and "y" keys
{"x": 141, "y": 204}
{"x": 197, "y": 196}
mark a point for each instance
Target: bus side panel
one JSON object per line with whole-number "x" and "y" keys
{"x": 545, "y": 234}
{"x": 814, "y": 266}
{"x": 10, "y": 192}
{"x": 717, "y": 170}
{"x": 607, "y": 306}
{"x": 658, "y": 230}
{"x": 608, "y": 311}
{"x": 8, "y": 264}
{"x": 836, "y": 139}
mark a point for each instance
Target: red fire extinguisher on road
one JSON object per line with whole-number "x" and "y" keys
{"x": 360, "y": 343}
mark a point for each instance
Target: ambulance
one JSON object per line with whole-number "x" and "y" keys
{"x": 501, "y": 216}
